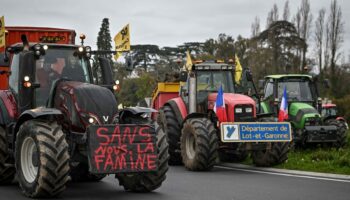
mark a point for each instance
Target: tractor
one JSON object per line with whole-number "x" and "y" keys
{"x": 57, "y": 125}
{"x": 330, "y": 112}
{"x": 194, "y": 131}
{"x": 304, "y": 108}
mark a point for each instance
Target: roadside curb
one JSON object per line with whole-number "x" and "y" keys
{"x": 286, "y": 171}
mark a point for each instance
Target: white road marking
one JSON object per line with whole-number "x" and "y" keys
{"x": 285, "y": 174}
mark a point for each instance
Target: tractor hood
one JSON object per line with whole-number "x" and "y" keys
{"x": 233, "y": 99}
{"x": 83, "y": 102}
{"x": 299, "y": 113}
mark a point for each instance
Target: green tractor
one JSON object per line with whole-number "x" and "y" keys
{"x": 304, "y": 107}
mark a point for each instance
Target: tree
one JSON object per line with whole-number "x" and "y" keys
{"x": 335, "y": 26}
{"x": 255, "y": 27}
{"x": 319, "y": 37}
{"x": 272, "y": 16}
{"x": 104, "y": 40}
{"x": 306, "y": 20}
{"x": 286, "y": 11}
{"x": 280, "y": 41}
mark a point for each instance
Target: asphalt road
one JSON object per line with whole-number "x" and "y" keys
{"x": 221, "y": 184}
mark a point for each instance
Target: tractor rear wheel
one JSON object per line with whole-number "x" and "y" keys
{"x": 42, "y": 159}
{"x": 341, "y": 132}
{"x": 147, "y": 182}
{"x": 7, "y": 171}
{"x": 270, "y": 157}
{"x": 172, "y": 130}
{"x": 199, "y": 144}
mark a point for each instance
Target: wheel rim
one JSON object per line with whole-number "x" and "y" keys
{"x": 29, "y": 160}
{"x": 190, "y": 146}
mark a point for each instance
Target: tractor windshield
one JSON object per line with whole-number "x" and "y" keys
{"x": 297, "y": 90}
{"x": 212, "y": 80}
{"x": 331, "y": 111}
{"x": 59, "y": 63}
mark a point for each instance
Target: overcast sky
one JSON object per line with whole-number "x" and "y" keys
{"x": 160, "y": 22}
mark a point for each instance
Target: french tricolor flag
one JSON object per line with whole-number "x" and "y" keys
{"x": 219, "y": 107}
{"x": 283, "y": 113}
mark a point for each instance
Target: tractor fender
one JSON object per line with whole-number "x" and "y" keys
{"x": 40, "y": 112}
{"x": 8, "y": 107}
{"x": 179, "y": 108}
{"x": 138, "y": 110}
{"x": 195, "y": 115}
{"x": 341, "y": 119}
{"x": 130, "y": 113}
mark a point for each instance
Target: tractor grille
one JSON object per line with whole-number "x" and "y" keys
{"x": 244, "y": 115}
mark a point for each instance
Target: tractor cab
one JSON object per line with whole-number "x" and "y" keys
{"x": 300, "y": 88}
{"x": 37, "y": 71}
{"x": 210, "y": 76}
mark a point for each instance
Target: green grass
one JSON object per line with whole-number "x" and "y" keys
{"x": 327, "y": 160}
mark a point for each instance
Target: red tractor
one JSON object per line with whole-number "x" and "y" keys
{"x": 195, "y": 133}
{"x": 57, "y": 125}
{"x": 329, "y": 112}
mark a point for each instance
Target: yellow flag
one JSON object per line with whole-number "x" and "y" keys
{"x": 2, "y": 32}
{"x": 122, "y": 41}
{"x": 238, "y": 70}
{"x": 117, "y": 55}
{"x": 189, "y": 63}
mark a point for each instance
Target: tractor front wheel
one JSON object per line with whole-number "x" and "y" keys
{"x": 42, "y": 159}
{"x": 277, "y": 154}
{"x": 341, "y": 132}
{"x": 199, "y": 144}
{"x": 147, "y": 182}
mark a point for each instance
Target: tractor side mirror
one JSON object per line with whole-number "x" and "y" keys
{"x": 4, "y": 61}
{"x": 261, "y": 84}
{"x": 25, "y": 79}
{"x": 183, "y": 76}
{"x": 249, "y": 75}
{"x": 129, "y": 64}
{"x": 106, "y": 71}
{"x": 326, "y": 83}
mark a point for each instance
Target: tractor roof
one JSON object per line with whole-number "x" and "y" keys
{"x": 212, "y": 65}
{"x": 278, "y": 76}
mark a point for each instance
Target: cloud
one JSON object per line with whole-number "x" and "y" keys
{"x": 165, "y": 23}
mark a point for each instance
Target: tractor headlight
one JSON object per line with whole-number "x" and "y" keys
{"x": 81, "y": 49}
{"x": 248, "y": 110}
{"x": 238, "y": 110}
{"x": 87, "y": 49}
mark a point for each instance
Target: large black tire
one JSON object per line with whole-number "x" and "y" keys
{"x": 80, "y": 173}
{"x": 172, "y": 130}
{"x": 147, "y": 182}
{"x": 341, "y": 132}
{"x": 199, "y": 144}
{"x": 42, "y": 159}
{"x": 277, "y": 154}
{"x": 7, "y": 171}
{"x": 239, "y": 154}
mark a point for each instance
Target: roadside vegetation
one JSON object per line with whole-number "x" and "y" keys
{"x": 318, "y": 159}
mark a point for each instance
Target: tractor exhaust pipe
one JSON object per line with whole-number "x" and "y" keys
{"x": 192, "y": 96}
